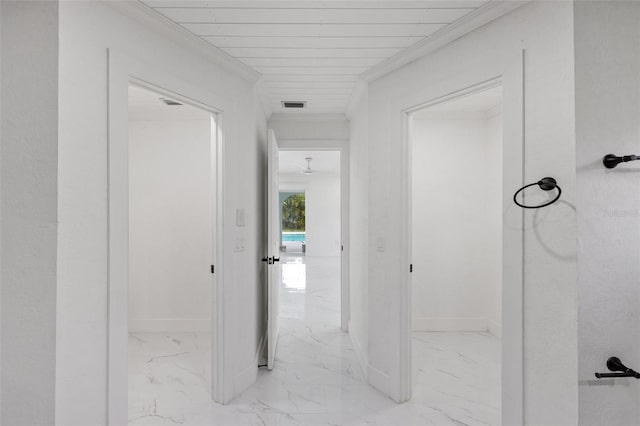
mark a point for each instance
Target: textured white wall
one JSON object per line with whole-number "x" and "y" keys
{"x": 323, "y": 216}
{"x": 170, "y": 225}
{"x": 607, "y": 67}
{"x": 0, "y": 212}
{"x": 260, "y": 200}
{"x": 315, "y": 127}
{"x": 494, "y": 222}
{"x": 457, "y": 222}
{"x": 87, "y": 30}
{"x": 359, "y": 229}
{"x": 29, "y": 176}
{"x": 545, "y": 31}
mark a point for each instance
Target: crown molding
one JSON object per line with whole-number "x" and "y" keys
{"x": 313, "y": 144}
{"x": 468, "y": 23}
{"x": 147, "y": 15}
{"x": 313, "y": 116}
{"x": 357, "y": 93}
{"x": 264, "y": 98}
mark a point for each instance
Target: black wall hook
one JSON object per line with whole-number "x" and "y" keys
{"x": 614, "y": 364}
{"x": 546, "y": 184}
{"x": 610, "y": 160}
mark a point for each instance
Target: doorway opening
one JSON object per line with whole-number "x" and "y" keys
{"x": 171, "y": 243}
{"x": 456, "y": 246}
{"x": 310, "y": 292}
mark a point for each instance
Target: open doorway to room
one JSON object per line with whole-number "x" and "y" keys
{"x": 457, "y": 255}
{"x": 310, "y": 305}
{"x": 172, "y": 205}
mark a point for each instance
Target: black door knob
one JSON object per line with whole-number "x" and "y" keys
{"x": 614, "y": 364}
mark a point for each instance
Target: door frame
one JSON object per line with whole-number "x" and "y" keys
{"x": 274, "y": 267}
{"x": 511, "y": 78}
{"x": 123, "y": 71}
{"x": 342, "y": 147}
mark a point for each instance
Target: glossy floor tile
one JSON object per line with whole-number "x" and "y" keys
{"x": 316, "y": 379}
{"x": 459, "y": 374}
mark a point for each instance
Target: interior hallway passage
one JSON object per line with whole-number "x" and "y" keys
{"x": 316, "y": 379}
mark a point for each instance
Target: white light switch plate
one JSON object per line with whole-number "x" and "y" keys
{"x": 240, "y": 217}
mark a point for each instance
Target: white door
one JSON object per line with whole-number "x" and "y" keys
{"x": 274, "y": 275}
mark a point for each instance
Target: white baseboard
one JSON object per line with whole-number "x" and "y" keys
{"x": 244, "y": 380}
{"x": 260, "y": 351}
{"x": 495, "y": 328}
{"x": 361, "y": 356}
{"x": 450, "y": 324}
{"x": 247, "y": 376}
{"x": 379, "y": 380}
{"x": 376, "y": 378}
{"x": 170, "y": 325}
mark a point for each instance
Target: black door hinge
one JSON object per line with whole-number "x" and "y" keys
{"x": 411, "y": 267}
{"x": 213, "y": 269}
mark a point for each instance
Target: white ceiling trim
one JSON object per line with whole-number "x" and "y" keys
{"x": 310, "y": 91}
{"x": 351, "y": 78}
{"x": 268, "y": 30}
{"x": 225, "y": 42}
{"x": 314, "y": 144}
{"x": 358, "y": 92}
{"x": 313, "y": 4}
{"x": 274, "y": 52}
{"x": 310, "y": 16}
{"x": 315, "y": 117}
{"x": 146, "y": 14}
{"x": 265, "y": 100}
{"x": 470, "y": 22}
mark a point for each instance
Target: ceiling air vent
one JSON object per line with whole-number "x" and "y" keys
{"x": 170, "y": 102}
{"x": 293, "y": 104}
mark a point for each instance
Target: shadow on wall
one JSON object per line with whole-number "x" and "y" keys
{"x": 544, "y": 229}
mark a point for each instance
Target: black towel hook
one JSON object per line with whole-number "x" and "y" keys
{"x": 611, "y": 160}
{"x": 546, "y": 184}
{"x": 614, "y": 364}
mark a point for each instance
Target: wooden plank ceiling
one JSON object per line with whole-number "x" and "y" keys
{"x": 311, "y": 50}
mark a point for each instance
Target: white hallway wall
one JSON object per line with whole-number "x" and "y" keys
{"x": 260, "y": 219}
{"x": 322, "y": 203}
{"x": 550, "y": 334}
{"x": 457, "y": 222}
{"x": 323, "y": 215}
{"x": 1, "y": 156}
{"x": 607, "y": 53}
{"x": 493, "y": 197}
{"x": 545, "y": 30}
{"x": 170, "y": 225}
{"x": 312, "y": 130}
{"x": 29, "y": 209}
{"x": 359, "y": 226}
{"x": 87, "y": 30}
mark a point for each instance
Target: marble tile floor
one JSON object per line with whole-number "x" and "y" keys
{"x": 316, "y": 379}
